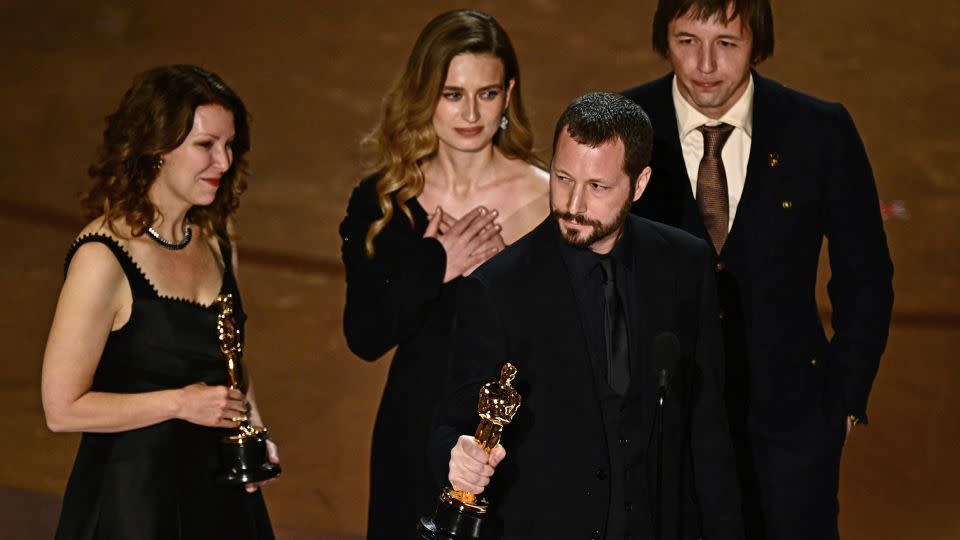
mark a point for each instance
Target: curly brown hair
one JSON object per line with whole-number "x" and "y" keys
{"x": 404, "y": 136}
{"x": 154, "y": 117}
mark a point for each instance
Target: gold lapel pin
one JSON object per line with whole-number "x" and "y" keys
{"x": 773, "y": 159}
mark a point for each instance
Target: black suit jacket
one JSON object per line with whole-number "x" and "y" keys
{"x": 808, "y": 178}
{"x": 520, "y": 307}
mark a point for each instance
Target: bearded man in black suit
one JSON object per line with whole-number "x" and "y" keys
{"x": 577, "y": 305}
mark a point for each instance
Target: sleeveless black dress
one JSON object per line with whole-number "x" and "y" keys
{"x": 157, "y": 482}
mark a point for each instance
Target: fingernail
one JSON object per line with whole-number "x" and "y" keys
{"x": 483, "y": 211}
{"x": 495, "y": 213}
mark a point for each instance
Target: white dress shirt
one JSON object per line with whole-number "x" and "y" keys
{"x": 736, "y": 151}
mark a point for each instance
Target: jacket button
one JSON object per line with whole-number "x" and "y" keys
{"x": 787, "y": 205}
{"x": 595, "y": 535}
{"x": 720, "y": 266}
{"x": 813, "y": 361}
{"x": 624, "y": 441}
{"x": 628, "y": 507}
{"x": 722, "y": 314}
{"x": 601, "y": 474}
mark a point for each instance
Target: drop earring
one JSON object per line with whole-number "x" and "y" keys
{"x": 504, "y": 122}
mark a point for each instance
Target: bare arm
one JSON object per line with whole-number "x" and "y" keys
{"x": 273, "y": 454}
{"x": 94, "y": 300}
{"x": 255, "y": 418}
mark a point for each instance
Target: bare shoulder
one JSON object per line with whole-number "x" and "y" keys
{"x": 541, "y": 175}
{"x": 523, "y": 183}
{"x": 528, "y": 200}
{"x": 94, "y": 263}
{"x": 531, "y": 180}
{"x": 231, "y": 243}
{"x": 116, "y": 229}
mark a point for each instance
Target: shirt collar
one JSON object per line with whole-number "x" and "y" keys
{"x": 581, "y": 261}
{"x": 739, "y": 116}
{"x": 622, "y": 249}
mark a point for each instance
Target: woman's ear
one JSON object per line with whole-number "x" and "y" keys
{"x": 510, "y": 84}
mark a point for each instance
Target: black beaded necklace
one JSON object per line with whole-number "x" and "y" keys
{"x": 166, "y": 244}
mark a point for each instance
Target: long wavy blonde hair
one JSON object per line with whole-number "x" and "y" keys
{"x": 404, "y": 136}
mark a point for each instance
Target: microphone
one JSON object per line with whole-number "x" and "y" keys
{"x": 666, "y": 354}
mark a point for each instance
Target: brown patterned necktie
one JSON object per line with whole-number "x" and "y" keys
{"x": 712, "y": 184}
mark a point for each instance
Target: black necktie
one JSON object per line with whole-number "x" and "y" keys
{"x": 615, "y": 331}
{"x": 712, "y": 195}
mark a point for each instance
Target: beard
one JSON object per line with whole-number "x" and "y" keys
{"x": 600, "y": 230}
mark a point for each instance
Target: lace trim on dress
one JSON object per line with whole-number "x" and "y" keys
{"x": 106, "y": 239}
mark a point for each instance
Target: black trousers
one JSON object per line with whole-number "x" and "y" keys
{"x": 790, "y": 479}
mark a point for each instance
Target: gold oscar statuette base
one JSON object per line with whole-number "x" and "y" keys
{"x": 459, "y": 514}
{"x": 243, "y": 453}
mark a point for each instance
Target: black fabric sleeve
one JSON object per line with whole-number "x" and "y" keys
{"x": 713, "y": 458}
{"x": 387, "y": 294}
{"x": 861, "y": 281}
{"x": 477, "y": 351}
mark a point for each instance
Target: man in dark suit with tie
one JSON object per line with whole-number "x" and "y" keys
{"x": 765, "y": 173}
{"x": 578, "y": 305}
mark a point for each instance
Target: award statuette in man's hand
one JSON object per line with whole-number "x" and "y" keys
{"x": 459, "y": 514}
{"x": 243, "y": 454}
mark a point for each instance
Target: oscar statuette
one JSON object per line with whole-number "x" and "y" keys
{"x": 243, "y": 454}
{"x": 459, "y": 514}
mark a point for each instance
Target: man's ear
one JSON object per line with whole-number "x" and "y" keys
{"x": 642, "y": 181}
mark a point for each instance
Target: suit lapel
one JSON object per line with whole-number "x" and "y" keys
{"x": 668, "y": 195}
{"x": 765, "y": 155}
{"x": 668, "y": 163}
{"x": 653, "y": 312}
{"x": 668, "y": 154}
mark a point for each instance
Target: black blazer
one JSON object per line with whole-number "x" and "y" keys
{"x": 808, "y": 178}
{"x": 520, "y": 307}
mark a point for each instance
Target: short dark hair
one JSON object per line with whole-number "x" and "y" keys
{"x": 756, "y": 14}
{"x": 599, "y": 117}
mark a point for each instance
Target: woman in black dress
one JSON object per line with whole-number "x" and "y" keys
{"x": 132, "y": 360}
{"x": 454, "y": 180}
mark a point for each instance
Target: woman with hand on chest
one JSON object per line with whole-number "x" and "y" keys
{"x": 454, "y": 181}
